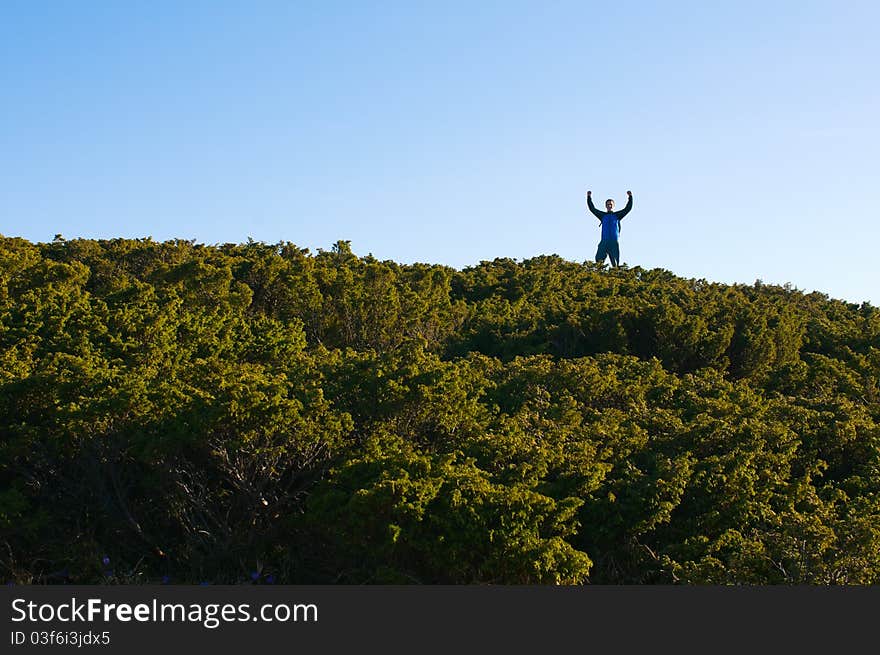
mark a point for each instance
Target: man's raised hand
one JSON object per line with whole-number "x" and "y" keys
{"x": 629, "y": 193}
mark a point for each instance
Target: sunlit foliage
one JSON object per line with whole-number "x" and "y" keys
{"x": 178, "y": 412}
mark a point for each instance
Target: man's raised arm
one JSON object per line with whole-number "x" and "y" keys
{"x": 629, "y": 205}
{"x": 592, "y": 208}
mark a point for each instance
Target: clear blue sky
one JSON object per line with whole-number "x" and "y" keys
{"x": 453, "y": 132}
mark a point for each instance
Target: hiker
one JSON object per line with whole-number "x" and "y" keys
{"x": 610, "y": 220}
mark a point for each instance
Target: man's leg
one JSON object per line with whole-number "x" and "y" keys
{"x": 601, "y": 254}
{"x": 614, "y": 253}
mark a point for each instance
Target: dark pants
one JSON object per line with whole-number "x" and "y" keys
{"x": 608, "y": 249}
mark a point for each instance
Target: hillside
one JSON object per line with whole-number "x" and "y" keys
{"x": 184, "y": 413}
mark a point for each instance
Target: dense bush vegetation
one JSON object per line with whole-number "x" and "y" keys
{"x": 252, "y": 412}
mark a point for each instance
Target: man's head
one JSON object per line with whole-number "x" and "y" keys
{"x": 609, "y": 205}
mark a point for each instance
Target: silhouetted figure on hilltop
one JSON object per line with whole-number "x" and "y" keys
{"x": 610, "y": 220}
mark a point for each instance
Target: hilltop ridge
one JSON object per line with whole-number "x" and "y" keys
{"x": 247, "y": 412}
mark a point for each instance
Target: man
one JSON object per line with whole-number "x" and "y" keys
{"x": 610, "y": 220}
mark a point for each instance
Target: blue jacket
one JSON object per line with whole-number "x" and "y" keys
{"x": 610, "y": 220}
